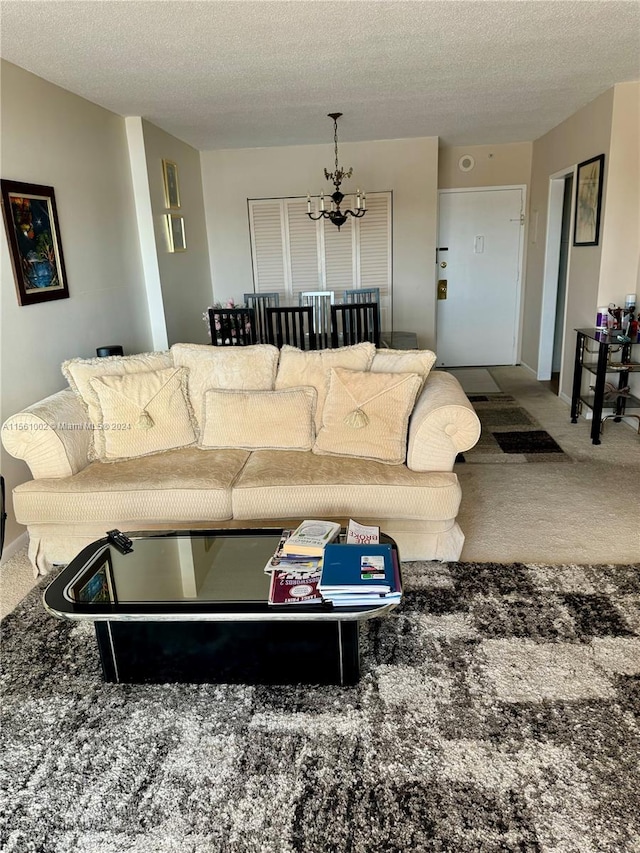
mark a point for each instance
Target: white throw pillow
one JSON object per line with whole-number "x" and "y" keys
{"x": 265, "y": 420}
{"x": 404, "y": 361}
{"x": 367, "y": 414}
{"x": 142, "y": 414}
{"x": 299, "y": 367}
{"x": 250, "y": 368}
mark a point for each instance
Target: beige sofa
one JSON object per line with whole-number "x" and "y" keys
{"x": 75, "y": 497}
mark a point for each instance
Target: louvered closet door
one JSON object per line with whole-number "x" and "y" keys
{"x": 375, "y": 251}
{"x": 292, "y": 253}
{"x": 339, "y": 253}
{"x": 304, "y": 267}
{"x": 267, "y": 239}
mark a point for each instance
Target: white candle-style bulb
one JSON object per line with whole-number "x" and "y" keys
{"x": 364, "y": 201}
{"x": 308, "y": 203}
{"x": 322, "y": 201}
{"x": 357, "y": 199}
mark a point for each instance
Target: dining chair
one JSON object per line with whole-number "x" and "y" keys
{"x": 232, "y": 327}
{"x": 364, "y": 294}
{"x": 320, "y": 301}
{"x": 291, "y": 325}
{"x": 260, "y": 302}
{"x": 355, "y": 323}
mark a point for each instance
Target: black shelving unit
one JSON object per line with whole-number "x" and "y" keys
{"x": 609, "y": 357}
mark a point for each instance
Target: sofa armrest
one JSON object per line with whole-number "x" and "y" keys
{"x": 52, "y": 436}
{"x": 443, "y": 424}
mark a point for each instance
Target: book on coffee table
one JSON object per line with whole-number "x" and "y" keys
{"x": 291, "y": 562}
{"x": 310, "y": 538}
{"x": 358, "y": 575}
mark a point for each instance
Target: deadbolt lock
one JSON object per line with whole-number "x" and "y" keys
{"x": 443, "y": 264}
{"x": 442, "y": 288}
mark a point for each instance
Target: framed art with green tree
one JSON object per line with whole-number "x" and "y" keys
{"x": 33, "y": 234}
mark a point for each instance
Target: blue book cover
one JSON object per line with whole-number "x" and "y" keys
{"x": 357, "y": 568}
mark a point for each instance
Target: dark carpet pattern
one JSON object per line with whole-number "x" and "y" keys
{"x": 499, "y": 710}
{"x": 509, "y": 433}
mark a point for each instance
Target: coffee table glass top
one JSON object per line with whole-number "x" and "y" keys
{"x": 209, "y": 574}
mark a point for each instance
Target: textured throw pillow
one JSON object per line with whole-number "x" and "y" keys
{"x": 366, "y": 414}
{"x": 250, "y": 368}
{"x": 298, "y": 367}
{"x": 404, "y": 361}
{"x": 80, "y": 371}
{"x": 266, "y": 420}
{"x": 142, "y": 414}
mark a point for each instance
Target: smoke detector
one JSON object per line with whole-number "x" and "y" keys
{"x": 466, "y": 163}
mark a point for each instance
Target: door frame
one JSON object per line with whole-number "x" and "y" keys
{"x": 516, "y": 351}
{"x": 550, "y": 273}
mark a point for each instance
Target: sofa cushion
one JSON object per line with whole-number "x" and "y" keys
{"x": 259, "y": 419}
{"x": 289, "y": 484}
{"x": 250, "y": 368}
{"x": 418, "y": 361}
{"x": 181, "y": 485}
{"x": 80, "y": 371}
{"x": 142, "y": 413}
{"x": 366, "y": 415}
{"x": 298, "y": 367}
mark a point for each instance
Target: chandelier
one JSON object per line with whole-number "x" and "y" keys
{"x": 335, "y": 214}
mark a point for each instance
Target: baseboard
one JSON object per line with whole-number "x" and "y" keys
{"x": 13, "y": 547}
{"x": 529, "y": 369}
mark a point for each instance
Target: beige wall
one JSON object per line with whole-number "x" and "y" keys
{"x": 496, "y": 165}
{"x": 583, "y": 135}
{"x": 185, "y": 277}
{"x": 408, "y": 167}
{"x": 620, "y": 259}
{"x": 52, "y": 137}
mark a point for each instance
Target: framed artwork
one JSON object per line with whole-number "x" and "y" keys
{"x": 95, "y": 585}
{"x": 171, "y": 189}
{"x": 175, "y": 232}
{"x": 586, "y": 230}
{"x": 33, "y": 233}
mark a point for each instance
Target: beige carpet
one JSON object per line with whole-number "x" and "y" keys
{"x": 558, "y": 513}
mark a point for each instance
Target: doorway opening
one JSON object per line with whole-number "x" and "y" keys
{"x": 556, "y": 272}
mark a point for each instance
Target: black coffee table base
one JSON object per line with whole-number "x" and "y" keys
{"x": 250, "y": 652}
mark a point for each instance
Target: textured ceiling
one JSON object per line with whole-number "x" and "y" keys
{"x": 252, "y": 74}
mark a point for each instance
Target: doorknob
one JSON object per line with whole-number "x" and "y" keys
{"x": 443, "y": 264}
{"x": 442, "y": 288}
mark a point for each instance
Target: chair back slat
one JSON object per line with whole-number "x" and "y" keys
{"x": 320, "y": 301}
{"x": 292, "y": 326}
{"x": 355, "y": 323}
{"x": 260, "y": 302}
{"x": 364, "y": 294}
{"x": 232, "y": 327}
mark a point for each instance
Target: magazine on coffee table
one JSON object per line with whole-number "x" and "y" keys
{"x": 289, "y": 587}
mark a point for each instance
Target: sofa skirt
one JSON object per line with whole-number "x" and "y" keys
{"x": 53, "y": 545}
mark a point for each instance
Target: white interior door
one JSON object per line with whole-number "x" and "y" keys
{"x": 480, "y": 244}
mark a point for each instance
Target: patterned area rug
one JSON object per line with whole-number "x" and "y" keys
{"x": 510, "y": 434}
{"x": 499, "y": 710}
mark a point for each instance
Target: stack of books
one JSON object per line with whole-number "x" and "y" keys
{"x": 360, "y": 575}
{"x": 296, "y": 565}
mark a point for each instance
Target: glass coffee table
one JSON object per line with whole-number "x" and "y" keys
{"x": 191, "y": 606}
